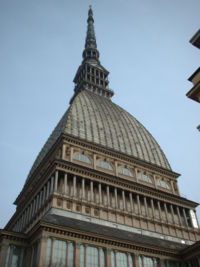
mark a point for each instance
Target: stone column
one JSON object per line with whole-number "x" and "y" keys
{"x": 100, "y": 194}
{"x": 159, "y": 209}
{"x": 136, "y": 260}
{"x": 138, "y": 204}
{"x": 44, "y": 194}
{"x": 172, "y": 211}
{"x": 123, "y": 200}
{"x": 30, "y": 213}
{"x": 185, "y": 217}
{"x": 91, "y": 191}
{"x": 196, "y": 219}
{"x": 116, "y": 168}
{"x": 179, "y": 216}
{"x": 34, "y": 206}
{"x": 56, "y": 182}
{"x": 131, "y": 202}
{"x": 41, "y": 255}
{"x": 77, "y": 255}
{"x": 63, "y": 151}
{"x": 94, "y": 161}
{"x": 155, "y": 180}
{"x": 3, "y": 251}
{"x": 83, "y": 188}
{"x": 108, "y": 257}
{"x": 37, "y": 201}
{"x": 85, "y": 255}
{"x": 136, "y": 174}
{"x": 152, "y": 207}
{"x": 172, "y": 186}
{"x": 40, "y": 198}
{"x": 48, "y": 188}
{"x": 52, "y": 250}
{"x": 52, "y": 185}
{"x": 145, "y": 205}
{"x": 108, "y": 195}
{"x": 27, "y": 213}
{"x": 74, "y": 186}
{"x": 32, "y": 209}
{"x": 128, "y": 256}
{"x": 166, "y": 212}
{"x": 65, "y": 184}
{"x": 24, "y": 217}
{"x": 71, "y": 153}
{"x": 116, "y": 199}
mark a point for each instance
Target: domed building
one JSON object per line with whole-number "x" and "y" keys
{"x": 101, "y": 192}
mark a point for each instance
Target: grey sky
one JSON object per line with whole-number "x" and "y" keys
{"x": 145, "y": 46}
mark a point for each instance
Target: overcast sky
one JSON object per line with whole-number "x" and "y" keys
{"x": 145, "y": 46}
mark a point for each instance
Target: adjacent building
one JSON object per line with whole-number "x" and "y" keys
{"x": 194, "y": 93}
{"x": 101, "y": 191}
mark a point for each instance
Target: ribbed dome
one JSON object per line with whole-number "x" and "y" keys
{"x": 98, "y": 120}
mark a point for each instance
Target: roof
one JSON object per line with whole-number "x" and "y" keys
{"x": 113, "y": 232}
{"x": 98, "y": 120}
{"x": 195, "y": 40}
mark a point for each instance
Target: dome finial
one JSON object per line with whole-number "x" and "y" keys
{"x": 91, "y": 75}
{"x": 90, "y": 51}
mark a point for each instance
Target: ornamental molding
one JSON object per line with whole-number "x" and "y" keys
{"x": 118, "y": 155}
{"x": 106, "y": 241}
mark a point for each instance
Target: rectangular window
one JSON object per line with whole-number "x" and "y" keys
{"x": 13, "y": 256}
{"x": 34, "y": 255}
{"x": 147, "y": 261}
{"x": 91, "y": 257}
{"x": 121, "y": 259}
{"x": 59, "y": 253}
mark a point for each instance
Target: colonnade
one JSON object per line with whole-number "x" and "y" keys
{"x": 117, "y": 198}
{"x": 104, "y": 195}
{"x": 35, "y": 205}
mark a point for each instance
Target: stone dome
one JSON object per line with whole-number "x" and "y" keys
{"x": 98, "y": 120}
{"x": 93, "y": 117}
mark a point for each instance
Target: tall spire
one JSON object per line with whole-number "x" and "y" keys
{"x": 91, "y": 75}
{"x": 90, "y": 51}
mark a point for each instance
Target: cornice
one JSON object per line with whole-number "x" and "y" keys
{"x": 191, "y": 251}
{"x": 105, "y": 240}
{"x": 13, "y": 236}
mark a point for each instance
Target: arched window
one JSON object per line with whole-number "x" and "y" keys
{"x": 163, "y": 184}
{"x": 144, "y": 177}
{"x": 82, "y": 157}
{"x": 105, "y": 165}
{"x": 125, "y": 171}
